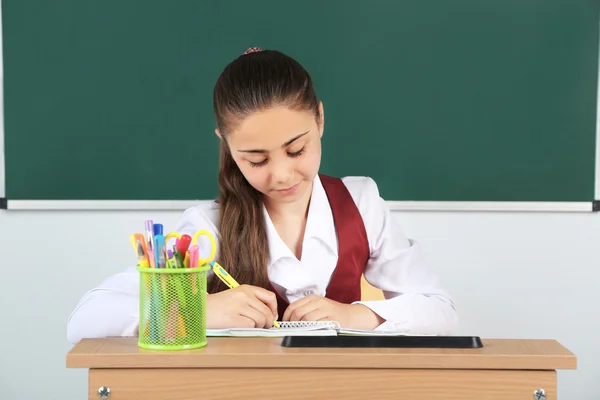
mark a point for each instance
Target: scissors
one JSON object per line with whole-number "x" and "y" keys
{"x": 211, "y": 238}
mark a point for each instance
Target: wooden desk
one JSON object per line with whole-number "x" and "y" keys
{"x": 259, "y": 368}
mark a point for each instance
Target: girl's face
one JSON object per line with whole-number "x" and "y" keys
{"x": 278, "y": 151}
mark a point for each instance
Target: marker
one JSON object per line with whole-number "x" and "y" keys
{"x": 170, "y": 259}
{"x": 158, "y": 229}
{"x": 139, "y": 246}
{"x": 171, "y": 329}
{"x": 172, "y": 263}
{"x": 193, "y": 256}
{"x": 223, "y": 275}
{"x": 150, "y": 241}
{"x": 181, "y": 326}
{"x": 161, "y": 259}
{"x": 184, "y": 244}
{"x": 155, "y": 320}
{"x": 228, "y": 280}
{"x": 159, "y": 251}
{"x": 178, "y": 260}
{"x": 193, "y": 263}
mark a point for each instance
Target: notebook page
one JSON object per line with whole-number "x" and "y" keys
{"x": 288, "y": 328}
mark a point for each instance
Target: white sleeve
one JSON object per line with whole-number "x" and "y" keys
{"x": 112, "y": 308}
{"x": 415, "y": 301}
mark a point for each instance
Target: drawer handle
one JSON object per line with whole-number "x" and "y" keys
{"x": 539, "y": 394}
{"x": 104, "y": 392}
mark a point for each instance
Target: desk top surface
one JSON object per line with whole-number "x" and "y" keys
{"x": 268, "y": 353}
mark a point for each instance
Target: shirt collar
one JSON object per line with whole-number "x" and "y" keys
{"x": 319, "y": 225}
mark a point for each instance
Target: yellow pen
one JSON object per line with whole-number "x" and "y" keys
{"x": 228, "y": 280}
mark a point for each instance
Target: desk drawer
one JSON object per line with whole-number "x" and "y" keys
{"x": 302, "y": 384}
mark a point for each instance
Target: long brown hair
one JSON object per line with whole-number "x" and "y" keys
{"x": 255, "y": 81}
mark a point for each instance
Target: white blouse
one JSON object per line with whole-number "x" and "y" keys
{"x": 414, "y": 300}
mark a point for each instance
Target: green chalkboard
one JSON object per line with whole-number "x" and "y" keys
{"x": 436, "y": 100}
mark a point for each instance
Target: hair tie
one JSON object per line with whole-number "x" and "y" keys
{"x": 252, "y": 50}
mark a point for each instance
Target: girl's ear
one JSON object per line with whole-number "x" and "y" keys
{"x": 218, "y": 133}
{"x": 321, "y": 119}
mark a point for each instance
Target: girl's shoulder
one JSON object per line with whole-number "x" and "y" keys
{"x": 363, "y": 189}
{"x": 372, "y": 207}
{"x": 203, "y": 215}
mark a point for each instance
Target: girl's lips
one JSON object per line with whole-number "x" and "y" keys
{"x": 289, "y": 190}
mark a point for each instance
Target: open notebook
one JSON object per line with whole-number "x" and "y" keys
{"x": 300, "y": 328}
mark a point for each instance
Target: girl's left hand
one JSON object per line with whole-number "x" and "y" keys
{"x": 317, "y": 308}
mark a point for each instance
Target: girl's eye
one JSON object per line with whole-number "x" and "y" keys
{"x": 263, "y": 162}
{"x": 258, "y": 164}
{"x": 296, "y": 154}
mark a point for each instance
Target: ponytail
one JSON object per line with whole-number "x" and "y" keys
{"x": 243, "y": 246}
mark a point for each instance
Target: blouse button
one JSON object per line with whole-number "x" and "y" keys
{"x": 309, "y": 293}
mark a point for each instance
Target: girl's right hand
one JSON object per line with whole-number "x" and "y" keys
{"x": 244, "y": 306}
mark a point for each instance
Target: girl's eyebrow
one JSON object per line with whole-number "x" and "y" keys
{"x": 292, "y": 140}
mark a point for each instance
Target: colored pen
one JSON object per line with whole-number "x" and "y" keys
{"x": 171, "y": 329}
{"x": 223, "y": 275}
{"x": 228, "y": 279}
{"x": 193, "y": 256}
{"x": 139, "y": 246}
{"x": 184, "y": 244}
{"x": 161, "y": 259}
{"x": 172, "y": 263}
{"x": 150, "y": 239}
{"x": 159, "y": 251}
{"x": 158, "y": 229}
{"x": 170, "y": 259}
{"x": 177, "y": 255}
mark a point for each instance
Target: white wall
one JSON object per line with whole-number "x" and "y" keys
{"x": 513, "y": 275}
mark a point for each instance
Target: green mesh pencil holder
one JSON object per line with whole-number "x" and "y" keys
{"x": 172, "y": 308}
